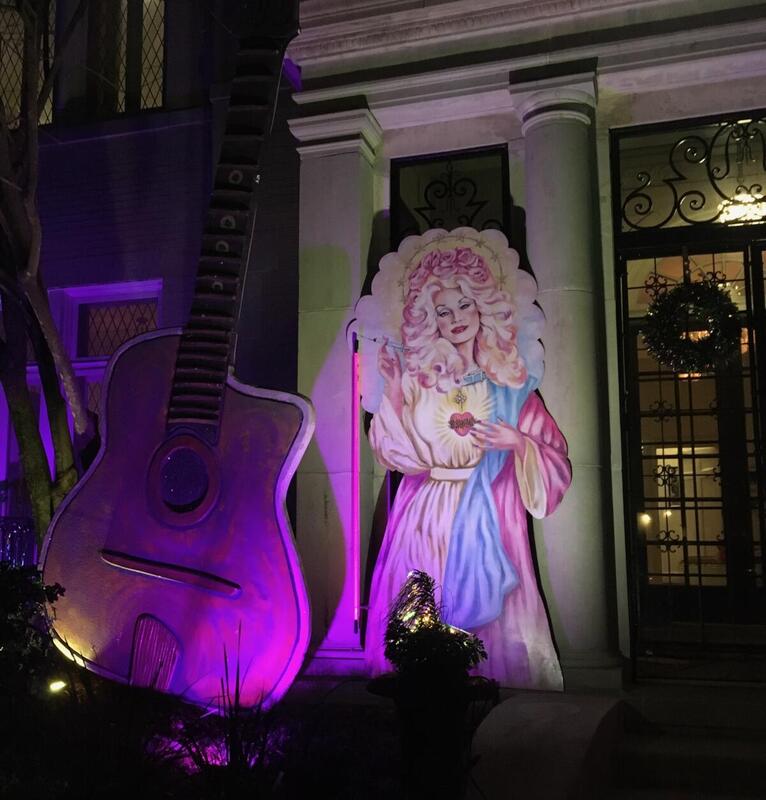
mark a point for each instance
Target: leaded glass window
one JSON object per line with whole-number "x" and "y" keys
{"x": 12, "y": 60}
{"x": 105, "y": 326}
{"x": 126, "y": 55}
{"x": 450, "y": 190}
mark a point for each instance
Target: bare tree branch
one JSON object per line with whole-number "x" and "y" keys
{"x": 26, "y": 310}
{"x": 63, "y": 452}
{"x": 30, "y": 278}
{"x": 13, "y": 376}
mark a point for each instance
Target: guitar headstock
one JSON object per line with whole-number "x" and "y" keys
{"x": 277, "y": 19}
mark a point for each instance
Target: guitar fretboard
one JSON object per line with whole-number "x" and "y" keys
{"x": 207, "y": 341}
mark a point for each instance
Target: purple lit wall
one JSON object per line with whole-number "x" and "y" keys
{"x": 267, "y": 350}
{"x": 123, "y": 200}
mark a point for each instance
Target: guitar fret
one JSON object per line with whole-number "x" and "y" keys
{"x": 204, "y": 373}
{"x": 180, "y": 394}
{"x": 213, "y": 250}
{"x": 208, "y": 336}
{"x": 182, "y": 386}
{"x": 226, "y": 200}
{"x": 190, "y": 411}
{"x": 240, "y": 149}
{"x": 192, "y": 419}
{"x": 219, "y": 270}
{"x": 204, "y": 362}
{"x": 202, "y": 337}
{"x": 217, "y": 282}
{"x": 191, "y": 422}
{"x": 188, "y": 406}
{"x": 221, "y": 258}
{"x": 212, "y": 297}
{"x": 215, "y": 303}
{"x": 201, "y": 346}
{"x": 216, "y": 317}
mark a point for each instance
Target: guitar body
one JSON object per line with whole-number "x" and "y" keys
{"x": 176, "y": 554}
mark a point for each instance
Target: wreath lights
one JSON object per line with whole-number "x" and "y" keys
{"x": 693, "y": 327}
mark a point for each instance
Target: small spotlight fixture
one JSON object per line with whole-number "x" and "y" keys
{"x": 56, "y": 686}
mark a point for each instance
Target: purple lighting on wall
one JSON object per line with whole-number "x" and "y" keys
{"x": 292, "y": 72}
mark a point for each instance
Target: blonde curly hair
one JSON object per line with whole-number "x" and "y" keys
{"x": 434, "y": 361}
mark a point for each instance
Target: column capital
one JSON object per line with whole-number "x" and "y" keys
{"x": 354, "y": 131}
{"x": 565, "y": 97}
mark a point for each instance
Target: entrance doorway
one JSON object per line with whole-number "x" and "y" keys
{"x": 689, "y": 206}
{"x": 695, "y": 449}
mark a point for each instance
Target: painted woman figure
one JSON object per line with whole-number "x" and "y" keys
{"x": 460, "y": 418}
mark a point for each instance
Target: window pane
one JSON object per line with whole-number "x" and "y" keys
{"x": 152, "y": 53}
{"x": 703, "y": 173}
{"x": 11, "y": 45}
{"x": 103, "y": 327}
{"x": 450, "y": 191}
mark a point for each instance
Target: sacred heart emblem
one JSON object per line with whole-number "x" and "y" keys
{"x": 462, "y": 423}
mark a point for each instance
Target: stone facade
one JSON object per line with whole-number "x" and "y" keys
{"x": 549, "y": 80}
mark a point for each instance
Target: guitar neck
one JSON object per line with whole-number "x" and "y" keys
{"x": 208, "y": 340}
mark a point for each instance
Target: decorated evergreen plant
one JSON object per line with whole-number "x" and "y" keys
{"x": 418, "y": 641}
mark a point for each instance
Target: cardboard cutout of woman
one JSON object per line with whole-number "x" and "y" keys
{"x": 452, "y": 386}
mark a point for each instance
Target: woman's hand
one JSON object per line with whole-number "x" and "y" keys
{"x": 497, "y": 436}
{"x": 391, "y": 370}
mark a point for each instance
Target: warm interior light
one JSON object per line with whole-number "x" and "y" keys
{"x": 697, "y": 336}
{"x": 743, "y": 207}
{"x": 56, "y": 686}
{"x": 668, "y": 513}
{"x": 644, "y": 518}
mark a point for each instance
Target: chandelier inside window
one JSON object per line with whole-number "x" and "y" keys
{"x": 748, "y": 203}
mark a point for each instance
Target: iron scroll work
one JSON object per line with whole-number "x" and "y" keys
{"x": 468, "y": 188}
{"x": 697, "y": 178}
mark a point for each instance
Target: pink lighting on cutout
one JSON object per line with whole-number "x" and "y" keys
{"x": 355, "y": 463}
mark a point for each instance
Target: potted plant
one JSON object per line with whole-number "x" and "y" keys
{"x": 432, "y": 689}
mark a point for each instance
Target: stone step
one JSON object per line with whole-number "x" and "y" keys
{"x": 719, "y": 710}
{"x": 694, "y": 763}
{"x": 669, "y": 794}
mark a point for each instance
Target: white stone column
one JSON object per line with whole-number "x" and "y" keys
{"x": 563, "y": 247}
{"x": 339, "y": 196}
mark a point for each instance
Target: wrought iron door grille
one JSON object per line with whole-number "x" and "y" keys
{"x": 694, "y": 447}
{"x": 694, "y": 174}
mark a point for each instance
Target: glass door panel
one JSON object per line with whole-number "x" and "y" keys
{"x": 694, "y": 451}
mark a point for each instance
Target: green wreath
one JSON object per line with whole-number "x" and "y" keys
{"x": 689, "y": 307}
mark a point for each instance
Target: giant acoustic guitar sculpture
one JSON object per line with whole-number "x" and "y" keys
{"x": 175, "y": 549}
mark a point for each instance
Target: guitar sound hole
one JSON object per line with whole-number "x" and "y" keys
{"x": 184, "y": 480}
